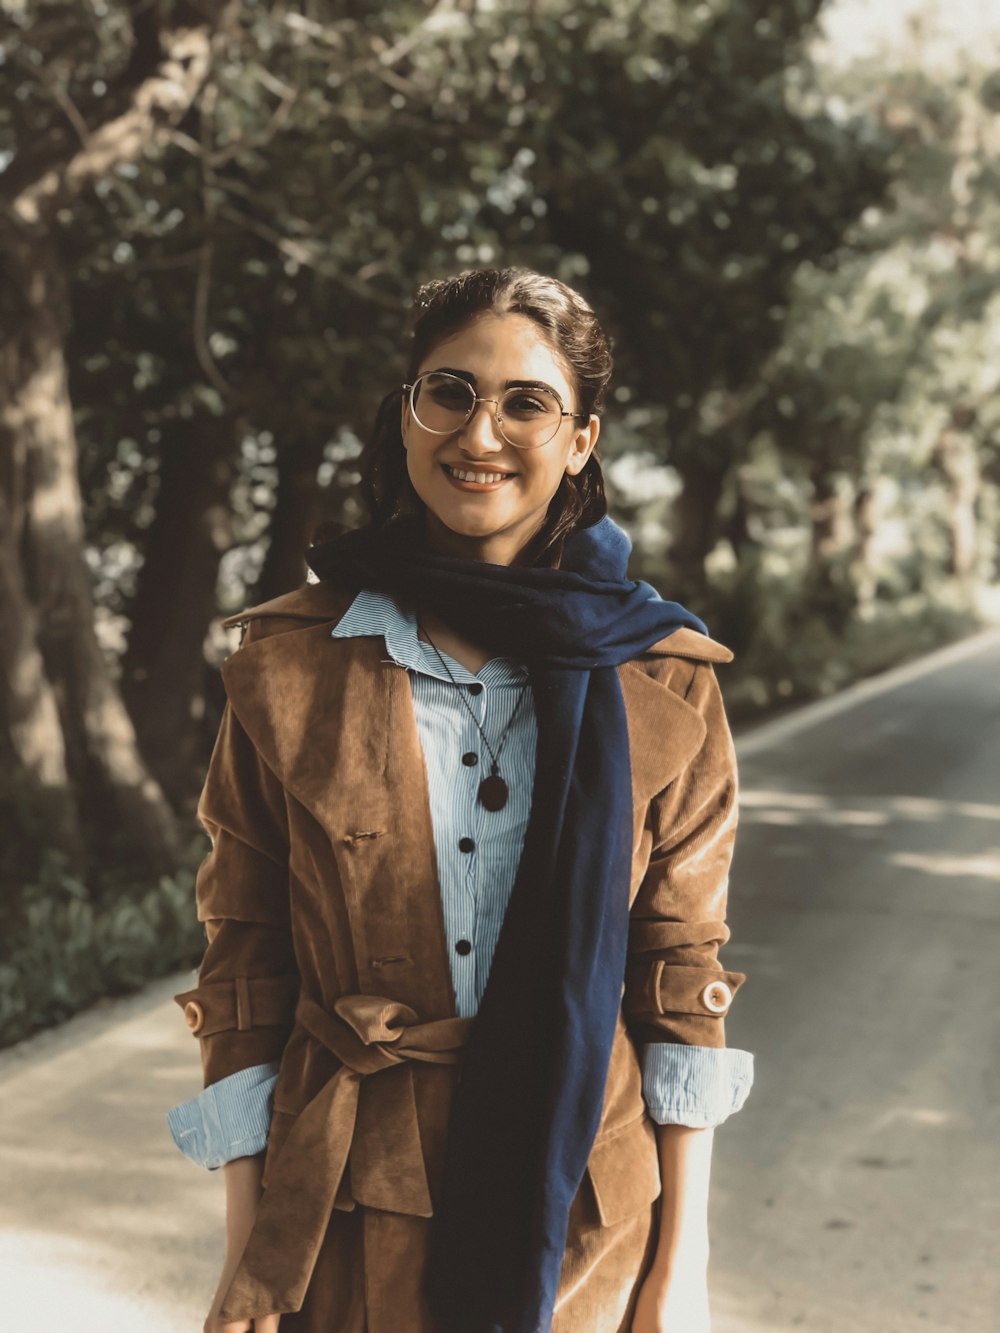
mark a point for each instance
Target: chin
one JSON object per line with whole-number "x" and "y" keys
{"x": 474, "y": 531}
{"x": 475, "y": 528}
{"x": 470, "y": 521}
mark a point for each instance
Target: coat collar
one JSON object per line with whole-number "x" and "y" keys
{"x": 310, "y": 602}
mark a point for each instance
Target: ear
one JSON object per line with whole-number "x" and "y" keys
{"x": 582, "y": 446}
{"x": 404, "y": 418}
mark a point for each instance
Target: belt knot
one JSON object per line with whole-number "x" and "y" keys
{"x": 373, "y": 1121}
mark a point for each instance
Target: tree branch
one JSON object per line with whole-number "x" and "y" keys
{"x": 166, "y": 82}
{"x": 305, "y": 254}
{"x": 203, "y": 279}
{"x": 145, "y": 54}
{"x": 61, "y": 98}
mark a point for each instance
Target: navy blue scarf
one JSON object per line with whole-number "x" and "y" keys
{"x": 529, "y": 1097}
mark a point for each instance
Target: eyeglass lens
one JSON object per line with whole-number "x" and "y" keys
{"x": 444, "y": 403}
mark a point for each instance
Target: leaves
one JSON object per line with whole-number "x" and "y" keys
{"x": 63, "y": 951}
{"x": 799, "y": 264}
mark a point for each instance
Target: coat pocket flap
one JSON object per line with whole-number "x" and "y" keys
{"x": 624, "y": 1170}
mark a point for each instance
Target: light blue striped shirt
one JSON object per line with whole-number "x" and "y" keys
{"x": 475, "y": 884}
{"x": 478, "y": 852}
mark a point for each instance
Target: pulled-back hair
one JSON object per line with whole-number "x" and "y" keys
{"x": 444, "y": 307}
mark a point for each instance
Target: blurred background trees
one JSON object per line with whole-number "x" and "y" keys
{"x": 214, "y": 215}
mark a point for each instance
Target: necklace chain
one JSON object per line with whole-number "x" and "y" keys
{"x": 494, "y": 756}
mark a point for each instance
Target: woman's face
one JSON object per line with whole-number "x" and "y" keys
{"x": 481, "y": 519}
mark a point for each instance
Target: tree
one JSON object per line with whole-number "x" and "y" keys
{"x": 888, "y": 367}
{"x": 52, "y": 665}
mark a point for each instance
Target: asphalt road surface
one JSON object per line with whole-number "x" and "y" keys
{"x": 859, "y": 1189}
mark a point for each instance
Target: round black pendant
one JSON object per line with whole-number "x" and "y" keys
{"x": 493, "y": 792}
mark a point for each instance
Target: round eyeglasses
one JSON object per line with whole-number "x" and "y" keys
{"x": 527, "y": 418}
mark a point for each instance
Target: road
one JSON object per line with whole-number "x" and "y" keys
{"x": 857, "y": 1190}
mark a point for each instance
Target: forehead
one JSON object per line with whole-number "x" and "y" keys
{"x": 496, "y": 348}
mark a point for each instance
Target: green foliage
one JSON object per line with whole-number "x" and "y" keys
{"x": 69, "y": 936}
{"x": 796, "y": 653}
{"x": 665, "y": 157}
{"x": 63, "y": 947}
{"x": 800, "y": 267}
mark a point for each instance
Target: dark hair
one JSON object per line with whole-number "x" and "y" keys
{"x": 442, "y": 308}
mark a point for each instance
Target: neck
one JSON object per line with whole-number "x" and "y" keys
{"x": 443, "y": 637}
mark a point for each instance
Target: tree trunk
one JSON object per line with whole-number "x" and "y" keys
{"x": 832, "y": 526}
{"x": 115, "y": 793}
{"x": 696, "y": 520}
{"x": 956, "y": 459}
{"x": 163, "y": 674}
{"x": 47, "y": 590}
{"x": 31, "y": 740}
{"x": 295, "y": 514}
{"x": 865, "y": 526}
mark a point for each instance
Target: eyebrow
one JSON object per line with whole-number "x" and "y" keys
{"x": 470, "y": 378}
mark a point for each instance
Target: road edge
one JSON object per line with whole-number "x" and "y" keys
{"x": 762, "y": 736}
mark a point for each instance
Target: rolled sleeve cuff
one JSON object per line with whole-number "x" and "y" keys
{"x": 228, "y": 1119}
{"x": 697, "y": 1086}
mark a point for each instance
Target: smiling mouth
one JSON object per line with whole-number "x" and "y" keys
{"x": 479, "y": 477}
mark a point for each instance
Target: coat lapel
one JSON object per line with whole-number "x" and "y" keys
{"x": 336, "y": 725}
{"x": 664, "y": 731}
{"x": 318, "y": 710}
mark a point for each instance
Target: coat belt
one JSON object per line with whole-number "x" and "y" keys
{"x": 380, "y": 1131}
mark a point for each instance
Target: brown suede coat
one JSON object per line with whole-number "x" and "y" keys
{"x": 326, "y": 950}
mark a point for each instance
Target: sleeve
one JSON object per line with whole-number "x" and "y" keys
{"x": 676, "y": 990}
{"x": 243, "y": 1007}
{"x": 229, "y": 1119}
{"x": 698, "y": 1086}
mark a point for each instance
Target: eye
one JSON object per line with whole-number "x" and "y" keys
{"x": 524, "y": 403}
{"x": 449, "y": 394}
{"x": 446, "y": 391}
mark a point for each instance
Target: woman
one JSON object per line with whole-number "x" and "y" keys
{"x": 472, "y": 807}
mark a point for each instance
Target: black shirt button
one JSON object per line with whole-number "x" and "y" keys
{"x": 463, "y": 946}
{"x": 475, "y": 689}
{"x": 465, "y": 844}
{"x": 469, "y": 758}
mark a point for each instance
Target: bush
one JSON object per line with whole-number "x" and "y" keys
{"x": 65, "y": 946}
{"x": 801, "y": 655}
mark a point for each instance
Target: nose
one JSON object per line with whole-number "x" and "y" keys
{"x": 480, "y": 434}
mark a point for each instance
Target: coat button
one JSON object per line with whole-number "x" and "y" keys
{"x": 717, "y": 997}
{"x": 475, "y": 689}
{"x": 465, "y": 844}
{"x": 463, "y": 946}
{"x": 194, "y": 1015}
{"x": 469, "y": 758}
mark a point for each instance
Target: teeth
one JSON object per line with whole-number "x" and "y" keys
{"x": 482, "y": 477}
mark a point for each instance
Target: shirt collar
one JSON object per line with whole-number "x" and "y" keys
{"x": 374, "y": 612}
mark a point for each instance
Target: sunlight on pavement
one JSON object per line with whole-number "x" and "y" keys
{"x": 50, "y": 1284}
{"x": 987, "y": 866}
{"x": 103, "y": 1224}
{"x": 768, "y": 805}
{"x": 914, "y": 1115}
{"x": 757, "y": 796}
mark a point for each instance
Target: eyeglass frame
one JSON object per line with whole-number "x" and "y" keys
{"x": 476, "y": 400}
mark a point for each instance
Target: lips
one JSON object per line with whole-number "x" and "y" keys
{"x": 476, "y": 476}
